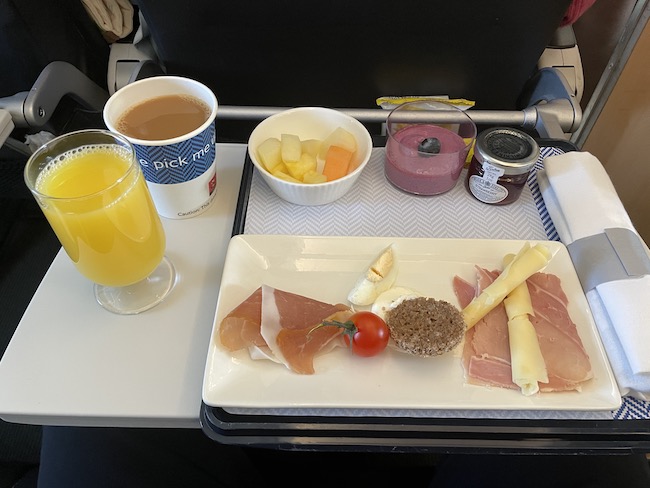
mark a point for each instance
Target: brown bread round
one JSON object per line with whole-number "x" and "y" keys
{"x": 425, "y": 326}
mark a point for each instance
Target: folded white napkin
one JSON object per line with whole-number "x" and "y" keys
{"x": 582, "y": 201}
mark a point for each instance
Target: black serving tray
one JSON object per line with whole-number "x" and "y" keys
{"x": 407, "y": 434}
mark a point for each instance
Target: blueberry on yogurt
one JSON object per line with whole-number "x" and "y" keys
{"x": 429, "y": 146}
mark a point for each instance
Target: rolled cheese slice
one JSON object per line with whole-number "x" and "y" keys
{"x": 518, "y": 301}
{"x": 527, "y": 262}
{"x": 527, "y": 363}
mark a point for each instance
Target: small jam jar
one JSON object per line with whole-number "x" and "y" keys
{"x": 503, "y": 159}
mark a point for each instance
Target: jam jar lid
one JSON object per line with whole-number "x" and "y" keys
{"x": 514, "y": 151}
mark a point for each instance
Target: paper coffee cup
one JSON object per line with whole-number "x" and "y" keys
{"x": 180, "y": 172}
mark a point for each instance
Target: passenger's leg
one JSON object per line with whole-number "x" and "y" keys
{"x": 101, "y": 457}
{"x": 543, "y": 471}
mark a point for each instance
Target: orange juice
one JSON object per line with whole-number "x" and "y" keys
{"x": 100, "y": 208}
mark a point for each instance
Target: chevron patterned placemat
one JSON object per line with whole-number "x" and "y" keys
{"x": 374, "y": 207}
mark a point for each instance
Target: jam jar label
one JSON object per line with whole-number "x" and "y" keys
{"x": 491, "y": 173}
{"x": 486, "y": 191}
{"x": 485, "y": 187}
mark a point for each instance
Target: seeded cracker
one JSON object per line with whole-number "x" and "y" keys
{"x": 425, "y": 327}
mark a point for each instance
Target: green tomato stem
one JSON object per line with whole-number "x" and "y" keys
{"x": 349, "y": 329}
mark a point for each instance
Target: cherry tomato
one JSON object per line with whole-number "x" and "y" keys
{"x": 369, "y": 335}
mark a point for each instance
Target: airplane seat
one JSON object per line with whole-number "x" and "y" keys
{"x": 342, "y": 56}
{"x": 347, "y": 54}
{"x": 33, "y": 35}
{"x": 281, "y": 54}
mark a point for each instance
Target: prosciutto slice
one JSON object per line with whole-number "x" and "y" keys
{"x": 241, "y": 327}
{"x": 567, "y": 361}
{"x": 486, "y": 353}
{"x": 275, "y": 324}
{"x": 287, "y": 323}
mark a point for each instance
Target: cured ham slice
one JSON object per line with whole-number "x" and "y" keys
{"x": 287, "y": 323}
{"x": 486, "y": 354}
{"x": 275, "y": 324}
{"x": 567, "y": 361}
{"x": 550, "y": 303}
{"x": 464, "y": 291}
{"x": 241, "y": 327}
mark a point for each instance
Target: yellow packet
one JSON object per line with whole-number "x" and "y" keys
{"x": 390, "y": 103}
{"x": 470, "y": 153}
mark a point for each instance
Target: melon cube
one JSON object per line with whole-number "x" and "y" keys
{"x": 337, "y": 163}
{"x": 269, "y": 153}
{"x": 341, "y": 138}
{"x": 291, "y": 148}
{"x": 311, "y": 146}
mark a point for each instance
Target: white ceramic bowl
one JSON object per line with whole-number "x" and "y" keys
{"x": 311, "y": 123}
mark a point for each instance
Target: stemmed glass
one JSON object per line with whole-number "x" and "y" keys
{"x": 92, "y": 191}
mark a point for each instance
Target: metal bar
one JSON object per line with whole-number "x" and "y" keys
{"x": 18, "y": 146}
{"x": 526, "y": 118}
{"x": 548, "y": 127}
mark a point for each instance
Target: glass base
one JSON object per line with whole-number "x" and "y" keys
{"x": 141, "y": 296}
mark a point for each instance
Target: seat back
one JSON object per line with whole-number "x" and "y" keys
{"x": 37, "y": 32}
{"x": 346, "y": 54}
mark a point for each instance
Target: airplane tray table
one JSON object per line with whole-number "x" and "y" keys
{"x": 624, "y": 430}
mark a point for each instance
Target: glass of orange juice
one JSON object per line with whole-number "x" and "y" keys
{"x": 92, "y": 191}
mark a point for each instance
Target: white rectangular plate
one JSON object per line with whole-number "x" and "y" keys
{"x": 326, "y": 268}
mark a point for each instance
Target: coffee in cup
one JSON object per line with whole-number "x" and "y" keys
{"x": 170, "y": 122}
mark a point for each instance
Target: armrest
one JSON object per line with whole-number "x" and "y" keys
{"x": 132, "y": 61}
{"x": 127, "y": 64}
{"x": 58, "y": 79}
{"x": 6, "y": 125}
{"x": 563, "y": 54}
{"x": 558, "y": 111}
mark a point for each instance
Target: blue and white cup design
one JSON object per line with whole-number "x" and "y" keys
{"x": 180, "y": 162}
{"x": 180, "y": 172}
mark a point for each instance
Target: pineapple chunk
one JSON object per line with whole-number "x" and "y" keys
{"x": 306, "y": 163}
{"x": 269, "y": 153}
{"x": 314, "y": 177}
{"x": 281, "y": 167}
{"x": 339, "y": 137}
{"x": 311, "y": 146}
{"x": 291, "y": 148}
{"x": 284, "y": 176}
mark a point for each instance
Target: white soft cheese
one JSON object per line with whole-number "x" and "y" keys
{"x": 391, "y": 298}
